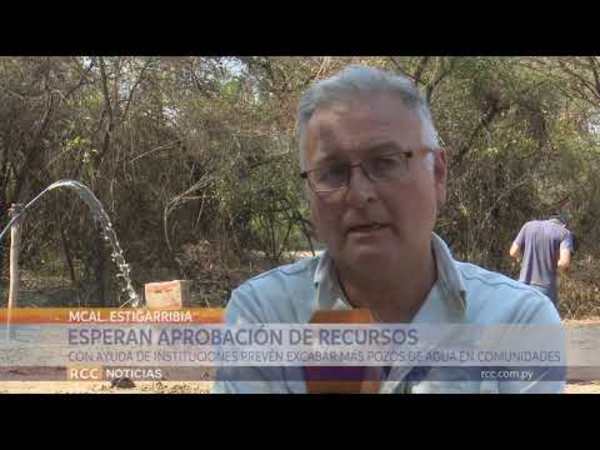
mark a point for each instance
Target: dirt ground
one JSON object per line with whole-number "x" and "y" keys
{"x": 167, "y": 387}
{"x": 90, "y": 387}
{"x": 583, "y": 388}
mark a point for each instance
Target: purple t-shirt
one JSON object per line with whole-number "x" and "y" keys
{"x": 540, "y": 242}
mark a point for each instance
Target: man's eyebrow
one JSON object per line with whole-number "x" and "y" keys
{"x": 377, "y": 149}
{"x": 329, "y": 158}
{"x": 384, "y": 147}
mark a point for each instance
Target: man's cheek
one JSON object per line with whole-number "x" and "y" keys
{"x": 319, "y": 220}
{"x": 330, "y": 230}
{"x": 426, "y": 202}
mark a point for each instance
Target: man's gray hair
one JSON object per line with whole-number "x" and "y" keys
{"x": 355, "y": 80}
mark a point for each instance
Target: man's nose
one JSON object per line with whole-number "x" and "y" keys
{"x": 361, "y": 188}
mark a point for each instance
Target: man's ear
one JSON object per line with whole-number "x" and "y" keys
{"x": 440, "y": 174}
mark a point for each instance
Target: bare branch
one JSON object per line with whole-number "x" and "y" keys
{"x": 420, "y": 68}
{"x": 400, "y": 68}
{"x": 442, "y": 72}
{"x": 109, "y": 110}
{"x": 136, "y": 84}
{"x": 593, "y": 63}
{"x": 586, "y": 83}
{"x": 154, "y": 150}
{"x": 105, "y": 88}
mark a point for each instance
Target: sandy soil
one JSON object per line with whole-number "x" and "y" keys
{"x": 583, "y": 388}
{"x": 90, "y": 387}
{"x": 167, "y": 387}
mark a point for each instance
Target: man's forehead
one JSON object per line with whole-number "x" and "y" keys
{"x": 368, "y": 110}
{"x": 366, "y": 125}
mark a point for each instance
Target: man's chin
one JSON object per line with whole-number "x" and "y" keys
{"x": 370, "y": 257}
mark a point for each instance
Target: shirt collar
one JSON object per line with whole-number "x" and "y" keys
{"x": 557, "y": 221}
{"x": 449, "y": 280}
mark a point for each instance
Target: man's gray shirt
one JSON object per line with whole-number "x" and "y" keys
{"x": 540, "y": 242}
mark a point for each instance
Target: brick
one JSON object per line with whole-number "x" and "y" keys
{"x": 168, "y": 295}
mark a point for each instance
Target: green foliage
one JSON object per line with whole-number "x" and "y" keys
{"x": 190, "y": 150}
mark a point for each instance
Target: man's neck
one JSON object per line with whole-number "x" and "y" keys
{"x": 395, "y": 298}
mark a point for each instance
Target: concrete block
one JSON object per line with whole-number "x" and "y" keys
{"x": 168, "y": 295}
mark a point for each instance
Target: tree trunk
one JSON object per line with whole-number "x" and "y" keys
{"x": 69, "y": 261}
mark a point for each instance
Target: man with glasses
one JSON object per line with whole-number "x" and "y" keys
{"x": 375, "y": 180}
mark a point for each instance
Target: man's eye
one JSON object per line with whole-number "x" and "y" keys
{"x": 385, "y": 162}
{"x": 333, "y": 174}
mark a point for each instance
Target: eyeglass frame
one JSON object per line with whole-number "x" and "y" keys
{"x": 409, "y": 154}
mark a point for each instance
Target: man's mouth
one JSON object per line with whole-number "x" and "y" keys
{"x": 366, "y": 228}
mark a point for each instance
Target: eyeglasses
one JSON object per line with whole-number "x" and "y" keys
{"x": 379, "y": 168}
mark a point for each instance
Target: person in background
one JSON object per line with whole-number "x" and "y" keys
{"x": 544, "y": 247}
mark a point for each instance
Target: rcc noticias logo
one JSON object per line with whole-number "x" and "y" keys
{"x": 93, "y": 373}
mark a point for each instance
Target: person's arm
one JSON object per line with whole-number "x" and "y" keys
{"x": 566, "y": 250}
{"x": 515, "y": 249}
{"x": 565, "y": 259}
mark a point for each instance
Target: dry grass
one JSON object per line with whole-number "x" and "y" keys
{"x": 213, "y": 279}
{"x": 579, "y": 290}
